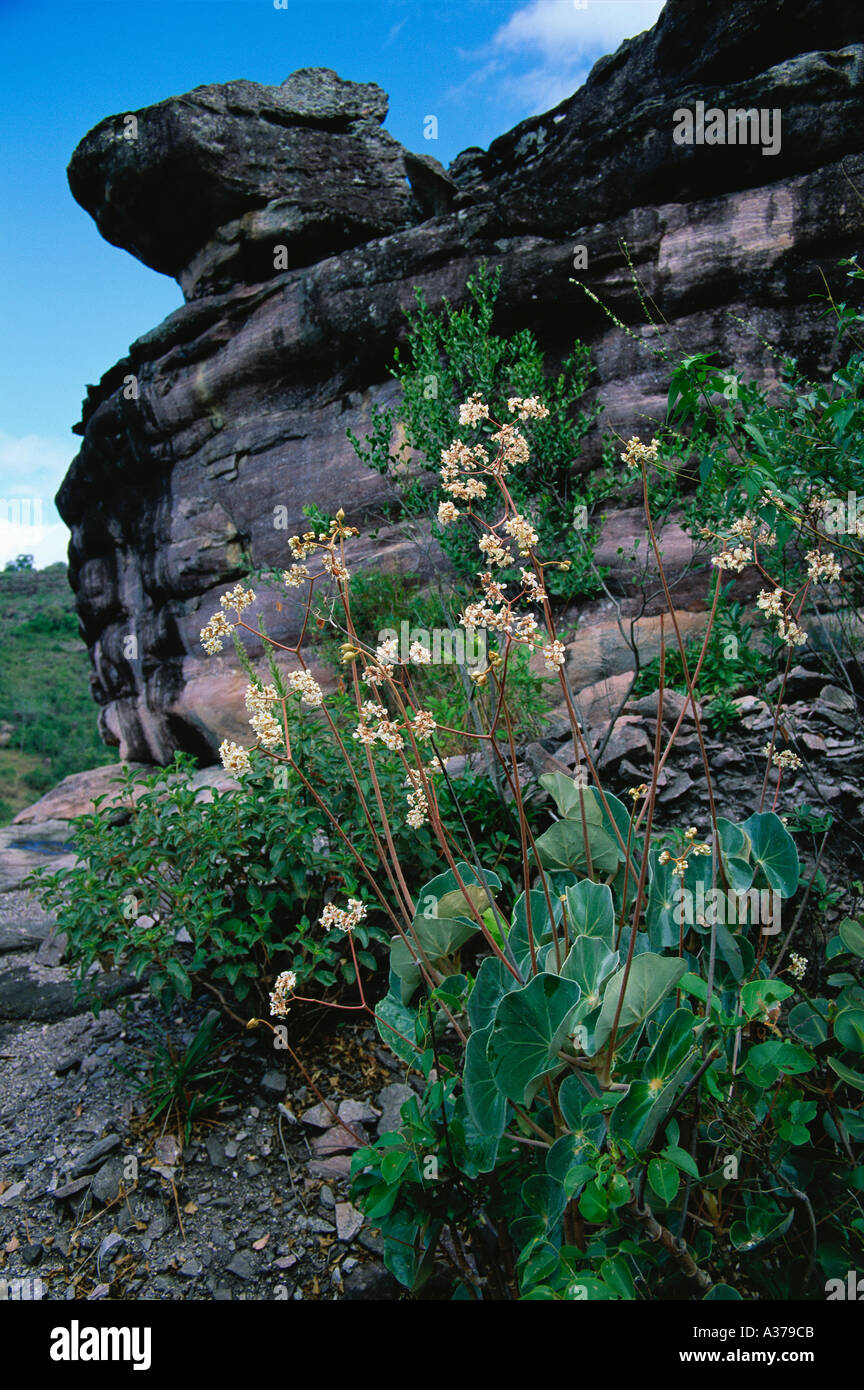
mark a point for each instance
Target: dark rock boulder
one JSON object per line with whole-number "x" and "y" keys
{"x": 201, "y": 447}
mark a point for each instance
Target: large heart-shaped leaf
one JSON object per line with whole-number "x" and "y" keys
{"x": 541, "y": 926}
{"x": 773, "y": 851}
{"x": 590, "y": 910}
{"x": 650, "y": 979}
{"x": 669, "y": 1064}
{"x": 493, "y": 982}
{"x": 487, "y": 1105}
{"x": 852, "y": 936}
{"x": 529, "y": 1028}
{"x": 590, "y": 963}
{"x": 562, "y": 846}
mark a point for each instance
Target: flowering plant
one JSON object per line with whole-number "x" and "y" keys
{"x": 605, "y": 1057}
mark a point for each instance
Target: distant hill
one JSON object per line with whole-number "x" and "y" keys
{"x": 47, "y": 713}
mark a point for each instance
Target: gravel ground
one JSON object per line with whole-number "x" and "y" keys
{"x": 98, "y": 1202}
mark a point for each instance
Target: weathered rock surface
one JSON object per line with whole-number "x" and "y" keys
{"x": 238, "y": 404}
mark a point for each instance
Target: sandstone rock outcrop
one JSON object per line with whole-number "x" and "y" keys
{"x": 238, "y": 403}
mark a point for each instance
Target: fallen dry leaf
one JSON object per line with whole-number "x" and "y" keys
{"x": 259, "y": 1244}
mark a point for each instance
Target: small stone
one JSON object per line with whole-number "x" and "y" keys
{"x": 12, "y": 1194}
{"x": 215, "y": 1151}
{"x": 390, "y": 1101}
{"x": 339, "y": 1166}
{"x": 191, "y": 1268}
{"x": 69, "y": 1189}
{"x": 326, "y": 1198}
{"x": 337, "y": 1140}
{"x": 241, "y": 1265}
{"x": 31, "y": 1254}
{"x": 106, "y": 1182}
{"x": 92, "y": 1156}
{"x": 348, "y": 1221}
{"x": 110, "y": 1247}
{"x": 353, "y": 1112}
{"x": 68, "y": 1063}
{"x": 273, "y": 1083}
{"x": 319, "y": 1117}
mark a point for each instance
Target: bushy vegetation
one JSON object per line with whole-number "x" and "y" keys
{"x": 636, "y": 1084}
{"x": 47, "y": 716}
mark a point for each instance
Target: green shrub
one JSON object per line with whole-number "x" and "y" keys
{"x": 454, "y": 353}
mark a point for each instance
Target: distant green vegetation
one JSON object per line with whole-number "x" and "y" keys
{"x": 47, "y": 715}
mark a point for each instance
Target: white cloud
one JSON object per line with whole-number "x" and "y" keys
{"x": 566, "y": 38}
{"x": 31, "y": 469}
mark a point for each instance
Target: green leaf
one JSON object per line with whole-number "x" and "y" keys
{"x": 852, "y": 936}
{"x": 806, "y": 1023}
{"x": 180, "y": 979}
{"x": 773, "y": 851}
{"x": 562, "y": 846}
{"x": 396, "y": 1025}
{"x": 541, "y": 926}
{"x": 591, "y": 911}
{"x": 529, "y": 1028}
{"x": 849, "y": 1029}
{"x": 590, "y": 963}
{"x": 759, "y": 996}
{"x": 586, "y": 1129}
{"x": 487, "y": 1105}
{"x": 545, "y": 1196}
{"x": 682, "y": 1159}
{"x": 651, "y": 977}
{"x": 664, "y": 1179}
{"x": 492, "y": 983}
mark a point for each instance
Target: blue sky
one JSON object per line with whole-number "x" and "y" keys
{"x": 70, "y": 304}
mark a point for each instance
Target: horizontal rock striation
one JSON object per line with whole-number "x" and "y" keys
{"x": 237, "y": 405}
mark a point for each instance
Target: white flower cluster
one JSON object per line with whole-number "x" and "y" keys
{"x": 234, "y": 758}
{"x": 528, "y": 408}
{"x": 307, "y": 688}
{"x": 472, "y": 411}
{"x": 283, "y": 989}
{"x": 734, "y": 560}
{"x": 636, "y": 453}
{"x": 821, "y": 566}
{"x": 512, "y": 449}
{"x": 783, "y": 758}
{"x": 237, "y": 598}
{"x": 217, "y": 628}
{"x": 773, "y": 605}
{"x": 346, "y": 919}
{"x": 746, "y": 528}
{"x": 418, "y": 803}
{"x": 423, "y": 725}
{"x": 789, "y": 632}
{"x": 447, "y": 512}
{"x": 295, "y": 576}
{"x": 334, "y": 566}
{"x": 258, "y": 702}
{"x": 375, "y": 727}
{"x": 553, "y": 655}
{"x": 523, "y": 532}
{"x": 797, "y": 966}
{"x": 493, "y": 551}
{"x": 301, "y": 546}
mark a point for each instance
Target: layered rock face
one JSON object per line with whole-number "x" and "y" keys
{"x": 202, "y": 446}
